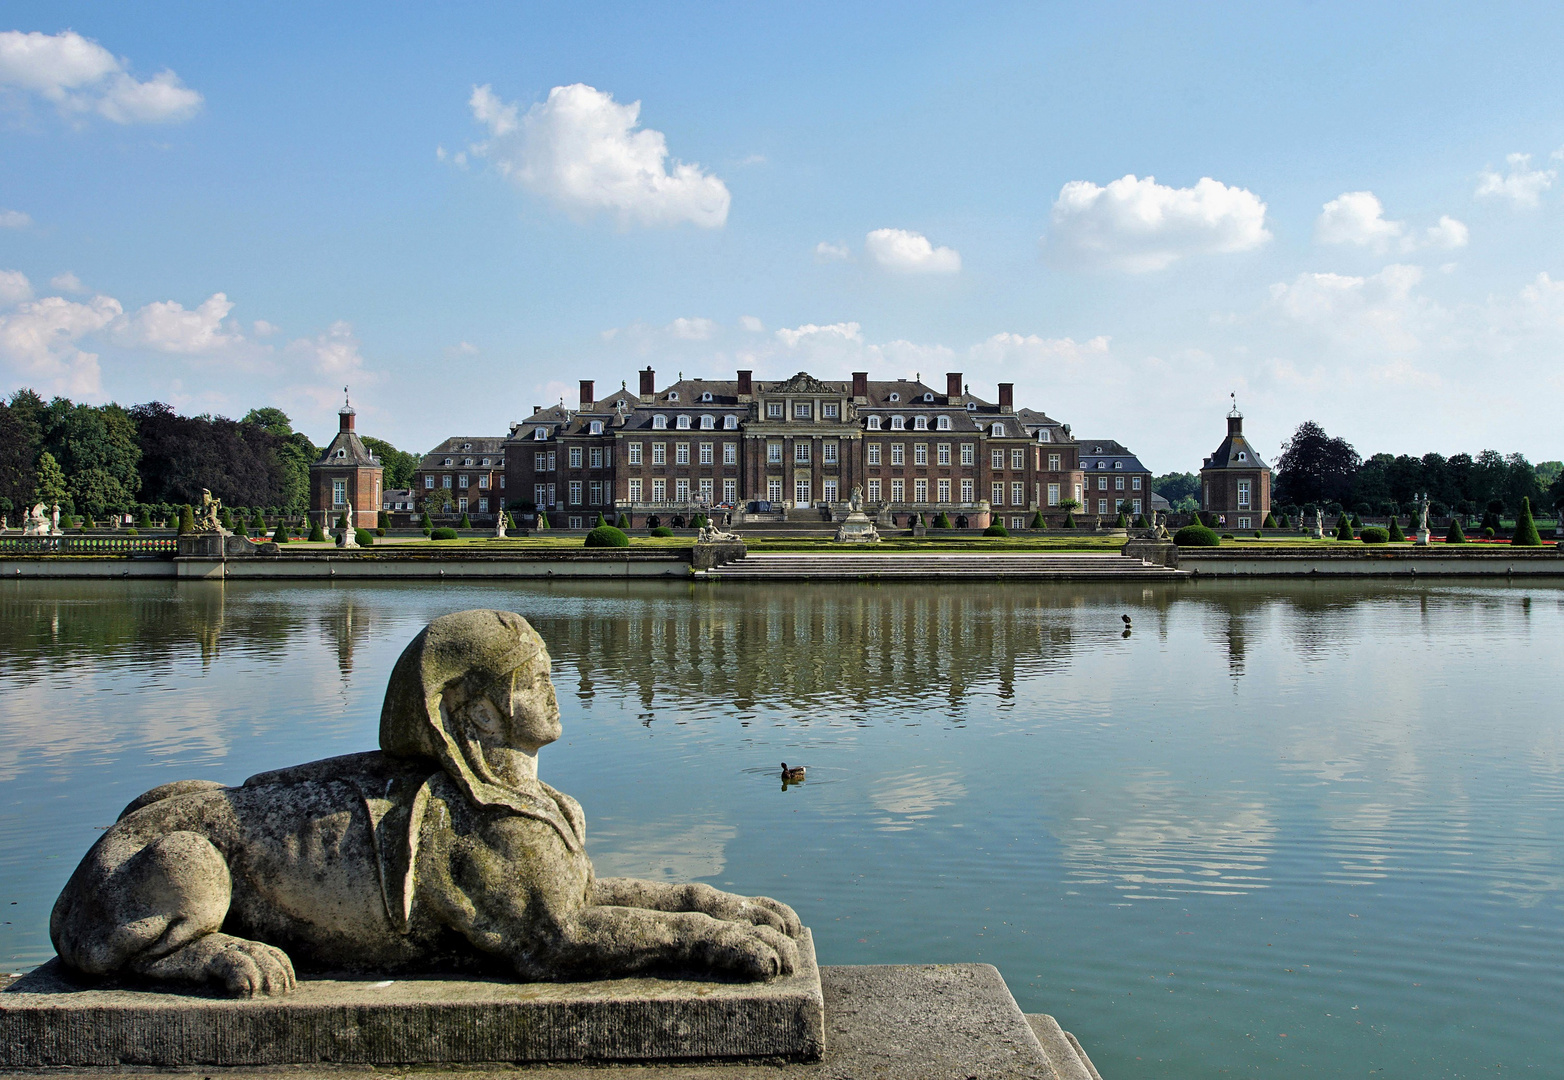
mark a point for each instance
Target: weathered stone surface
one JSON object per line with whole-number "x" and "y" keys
{"x": 1062, "y": 1049}
{"x": 52, "y": 1018}
{"x": 441, "y": 853}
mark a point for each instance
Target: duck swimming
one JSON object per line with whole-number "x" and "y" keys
{"x": 795, "y": 773}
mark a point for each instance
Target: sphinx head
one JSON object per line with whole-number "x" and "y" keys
{"x": 472, "y": 691}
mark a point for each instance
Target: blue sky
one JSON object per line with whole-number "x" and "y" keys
{"x": 456, "y": 210}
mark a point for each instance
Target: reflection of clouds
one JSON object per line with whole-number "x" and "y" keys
{"x": 913, "y": 798}
{"x": 1156, "y": 840}
{"x": 661, "y": 851}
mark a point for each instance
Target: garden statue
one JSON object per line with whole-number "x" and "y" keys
{"x": 207, "y": 516}
{"x": 855, "y": 502}
{"x": 37, "y": 522}
{"x": 442, "y": 852}
{"x": 1319, "y": 524}
{"x": 54, "y": 520}
{"x": 499, "y": 525}
{"x": 710, "y": 534}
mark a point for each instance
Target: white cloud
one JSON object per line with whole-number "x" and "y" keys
{"x": 78, "y": 76}
{"x": 165, "y": 326}
{"x": 1140, "y": 225}
{"x": 39, "y": 342}
{"x": 262, "y": 328}
{"x": 333, "y": 353}
{"x": 828, "y": 252}
{"x": 1449, "y": 233}
{"x": 1356, "y": 217}
{"x": 1523, "y": 185}
{"x": 840, "y": 332}
{"x": 692, "y": 329}
{"x": 752, "y": 324}
{"x": 582, "y": 150}
{"x": 67, "y": 282}
{"x": 910, "y": 253}
{"x": 460, "y": 350}
{"x": 14, "y": 219}
{"x": 14, "y": 287}
{"x": 1030, "y": 349}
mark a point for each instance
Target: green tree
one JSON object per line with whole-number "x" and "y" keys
{"x": 1313, "y": 467}
{"x": 1038, "y": 522}
{"x": 397, "y": 465}
{"x": 186, "y": 519}
{"x": 1343, "y": 528}
{"x": 1525, "y": 534}
{"x": 1456, "y": 535}
{"x": 466, "y": 521}
{"x": 317, "y": 534}
{"x": 1176, "y": 486}
{"x": 51, "y": 481}
{"x": 1396, "y": 536}
{"x": 438, "y": 501}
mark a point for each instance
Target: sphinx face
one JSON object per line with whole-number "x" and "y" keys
{"x": 510, "y": 719}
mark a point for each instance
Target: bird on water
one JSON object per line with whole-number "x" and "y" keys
{"x": 1126, "y": 619}
{"x": 795, "y": 773}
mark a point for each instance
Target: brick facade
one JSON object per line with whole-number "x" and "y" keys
{"x": 346, "y": 472}
{"x": 1235, "y": 484}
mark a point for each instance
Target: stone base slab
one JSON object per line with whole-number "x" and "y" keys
{"x": 49, "y": 1019}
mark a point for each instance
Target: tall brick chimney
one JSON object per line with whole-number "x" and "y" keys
{"x": 746, "y": 385}
{"x": 648, "y": 385}
{"x": 953, "y": 388}
{"x": 586, "y": 393}
{"x": 1007, "y": 397}
{"x": 861, "y": 387}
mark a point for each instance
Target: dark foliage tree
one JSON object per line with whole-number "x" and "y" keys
{"x": 1313, "y": 467}
{"x": 240, "y": 462}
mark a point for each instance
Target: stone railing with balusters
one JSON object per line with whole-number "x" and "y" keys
{"x": 87, "y": 545}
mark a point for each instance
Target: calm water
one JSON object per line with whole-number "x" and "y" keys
{"x": 1276, "y": 830}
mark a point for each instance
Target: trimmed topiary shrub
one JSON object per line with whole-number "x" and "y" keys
{"x": 425, "y": 524}
{"x": 941, "y": 521}
{"x": 364, "y": 537}
{"x": 1227, "y": 536}
{"x": 1375, "y": 535}
{"x": 1488, "y": 533}
{"x": 444, "y": 533}
{"x": 510, "y": 522}
{"x": 996, "y": 529}
{"x": 143, "y": 519}
{"x": 1121, "y": 522}
{"x": 1456, "y": 535}
{"x": 606, "y": 536}
{"x": 383, "y": 521}
{"x": 1258, "y": 535}
{"x": 699, "y": 521}
{"x": 1140, "y": 521}
{"x": 380, "y": 532}
{"x": 186, "y": 519}
{"x": 1269, "y": 522}
{"x": 317, "y": 534}
{"x": 132, "y": 531}
{"x": 662, "y": 530}
{"x": 1525, "y": 534}
{"x": 1038, "y": 523}
{"x": 1069, "y": 519}
{"x": 240, "y": 530}
{"x": 1357, "y": 522}
{"x": 281, "y": 535}
{"x": 1343, "y": 528}
{"x": 1394, "y": 533}
{"x": 1196, "y": 536}
{"x": 599, "y": 523}
{"x": 466, "y": 522}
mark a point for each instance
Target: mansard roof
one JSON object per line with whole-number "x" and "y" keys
{"x": 1234, "y": 453}
{"x": 1108, "y": 455}
{"x": 460, "y": 446}
{"x": 347, "y": 449}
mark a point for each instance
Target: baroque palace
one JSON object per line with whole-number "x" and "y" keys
{"x": 747, "y": 449}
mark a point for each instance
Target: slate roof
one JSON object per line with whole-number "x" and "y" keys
{"x": 460, "y": 447}
{"x": 1226, "y": 455}
{"x": 1099, "y": 455}
{"x": 346, "y": 449}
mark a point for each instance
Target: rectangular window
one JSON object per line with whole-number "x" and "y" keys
{"x": 774, "y": 412}
{"x": 872, "y": 452}
{"x": 463, "y": 480}
{"x": 706, "y": 489}
{"x": 537, "y": 461}
{"x": 943, "y": 486}
{"x": 1053, "y": 494}
{"x": 920, "y": 453}
{"x": 551, "y": 461}
{"x": 540, "y": 494}
{"x": 1102, "y": 483}
{"x": 635, "y": 453}
{"x": 595, "y": 489}
{"x": 801, "y": 450}
{"x": 575, "y": 493}
{"x": 774, "y": 452}
{"x": 1135, "y": 505}
{"x": 1053, "y": 462}
{"x": 483, "y": 480}
{"x": 730, "y": 453}
{"x": 996, "y": 459}
{"x": 552, "y": 494}
{"x": 730, "y": 491}
{"x": 920, "y": 490}
{"x": 828, "y": 490}
{"x": 830, "y": 410}
{"x": 967, "y": 454}
{"x": 998, "y": 493}
{"x": 575, "y": 457}
{"x": 1018, "y": 523}
{"x": 802, "y": 410}
{"x": 461, "y": 504}
{"x": 428, "y": 482}
{"x": 635, "y": 489}
{"x": 1018, "y": 459}
{"x": 1102, "y": 506}
{"x": 339, "y": 492}
{"x": 502, "y": 482}
{"x": 1243, "y": 494}
{"x": 1118, "y": 483}
{"x": 774, "y": 489}
{"x": 681, "y": 453}
{"x": 483, "y": 506}
{"x": 966, "y": 491}
{"x": 708, "y": 453}
{"x": 942, "y": 453}
{"x": 659, "y": 490}
{"x": 828, "y": 455}
{"x": 801, "y": 493}
{"x": 1017, "y": 493}
{"x": 898, "y": 487}
{"x": 1134, "y": 483}
{"x": 681, "y": 489}
{"x": 874, "y": 490}
{"x": 445, "y": 481}
{"x": 596, "y": 457}
{"x": 659, "y": 453}
{"x": 898, "y": 453}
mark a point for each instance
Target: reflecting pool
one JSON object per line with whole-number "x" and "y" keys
{"x": 1271, "y": 829}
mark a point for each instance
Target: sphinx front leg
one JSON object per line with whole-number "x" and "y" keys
{"x": 615, "y": 942}
{"x": 730, "y": 907}
{"x": 243, "y": 967}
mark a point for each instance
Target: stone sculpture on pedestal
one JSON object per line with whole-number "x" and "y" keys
{"x": 499, "y": 525}
{"x": 1319, "y": 524}
{"x": 856, "y": 528}
{"x": 441, "y": 852}
{"x": 37, "y": 522}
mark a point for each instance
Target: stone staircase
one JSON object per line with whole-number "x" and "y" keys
{"x": 866, "y": 565}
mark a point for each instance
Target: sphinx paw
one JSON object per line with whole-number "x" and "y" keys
{"x": 764, "y": 911}
{"x": 252, "y": 968}
{"x": 755, "y": 953}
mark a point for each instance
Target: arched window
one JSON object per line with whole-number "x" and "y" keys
{"x": 971, "y": 406}
{"x": 730, "y": 423}
{"x": 1118, "y": 464}
{"x": 673, "y": 395}
{"x": 1045, "y": 435}
{"x": 895, "y": 397}
{"x": 537, "y": 433}
{"x": 683, "y": 423}
{"x": 998, "y": 430}
{"x": 928, "y": 397}
{"x": 942, "y": 424}
{"x": 659, "y": 422}
{"x": 920, "y": 423}
{"x": 898, "y": 423}
{"x": 597, "y": 427}
{"x": 874, "y": 423}
{"x": 708, "y": 421}
{"x": 1242, "y": 456}
{"x": 706, "y": 396}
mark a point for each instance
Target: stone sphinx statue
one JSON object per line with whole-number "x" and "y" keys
{"x": 442, "y": 852}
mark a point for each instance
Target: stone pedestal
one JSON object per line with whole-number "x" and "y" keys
{"x": 856, "y": 528}
{"x": 212, "y": 545}
{"x": 1422, "y": 537}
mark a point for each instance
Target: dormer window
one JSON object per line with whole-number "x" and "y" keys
{"x": 706, "y": 396}
{"x": 730, "y": 423}
{"x": 1096, "y": 449}
{"x": 894, "y": 397}
{"x": 874, "y": 423}
{"x": 485, "y": 461}
{"x": 659, "y": 422}
{"x": 539, "y": 434}
{"x": 467, "y": 461}
{"x": 1045, "y": 435}
{"x": 971, "y": 406}
{"x": 683, "y": 423}
{"x": 450, "y": 460}
{"x": 708, "y": 422}
{"x": 620, "y": 404}
{"x": 1242, "y": 456}
{"x": 466, "y": 446}
{"x": 1118, "y": 464}
{"x": 997, "y": 431}
{"x": 596, "y": 427}
{"x": 942, "y": 423}
{"x": 920, "y": 423}
{"x": 673, "y": 395}
{"x": 898, "y": 423}
{"x": 928, "y": 397}
{"x": 342, "y": 452}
